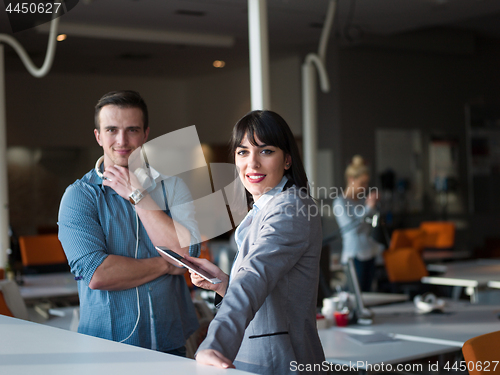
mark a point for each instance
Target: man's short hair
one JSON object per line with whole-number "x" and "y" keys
{"x": 122, "y": 99}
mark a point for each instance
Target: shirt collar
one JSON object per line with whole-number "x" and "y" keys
{"x": 95, "y": 179}
{"x": 265, "y": 198}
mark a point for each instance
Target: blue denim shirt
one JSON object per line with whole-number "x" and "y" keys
{"x": 95, "y": 221}
{"x": 356, "y": 239}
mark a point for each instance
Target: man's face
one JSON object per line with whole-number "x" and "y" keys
{"x": 121, "y": 131}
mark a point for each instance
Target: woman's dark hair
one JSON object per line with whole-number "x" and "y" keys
{"x": 271, "y": 129}
{"x": 122, "y": 99}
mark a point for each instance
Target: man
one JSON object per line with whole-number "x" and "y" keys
{"x": 128, "y": 293}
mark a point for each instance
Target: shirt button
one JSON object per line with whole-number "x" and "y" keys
{"x": 150, "y": 288}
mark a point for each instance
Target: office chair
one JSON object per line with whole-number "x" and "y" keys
{"x": 11, "y": 302}
{"x": 4, "y": 309}
{"x": 403, "y": 258}
{"x": 403, "y": 261}
{"x": 480, "y": 350}
{"x": 43, "y": 253}
{"x": 438, "y": 234}
{"x": 408, "y": 238}
{"x": 404, "y": 265}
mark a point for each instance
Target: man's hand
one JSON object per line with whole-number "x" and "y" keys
{"x": 120, "y": 180}
{"x": 159, "y": 226}
{"x": 175, "y": 268}
{"x": 213, "y": 358}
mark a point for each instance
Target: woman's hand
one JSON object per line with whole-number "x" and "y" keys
{"x": 213, "y": 358}
{"x": 371, "y": 200}
{"x": 211, "y": 268}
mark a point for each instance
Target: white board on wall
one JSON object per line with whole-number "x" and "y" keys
{"x": 401, "y": 151}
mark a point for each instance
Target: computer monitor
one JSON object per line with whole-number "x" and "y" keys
{"x": 353, "y": 285}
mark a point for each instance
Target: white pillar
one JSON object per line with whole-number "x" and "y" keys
{"x": 309, "y": 142}
{"x": 4, "y": 193}
{"x": 259, "y": 55}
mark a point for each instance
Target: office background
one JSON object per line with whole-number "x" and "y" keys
{"x": 420, "y": 80}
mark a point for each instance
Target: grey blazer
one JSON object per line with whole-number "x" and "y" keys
{"x": 268, "y": 316}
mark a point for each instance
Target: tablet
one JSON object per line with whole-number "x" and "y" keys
{"x": 186, "y": 263}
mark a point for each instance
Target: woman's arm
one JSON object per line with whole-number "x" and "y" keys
{"x": 283, "y": 238}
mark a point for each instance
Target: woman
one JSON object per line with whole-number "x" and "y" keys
{"x": 266, "y": 323}
{"x": 351, "y": 210}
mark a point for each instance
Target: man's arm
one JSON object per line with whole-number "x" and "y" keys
{"x": 118, "y": 272}
{"x": 84, "y": 243}
{"x": 159, "y": 226}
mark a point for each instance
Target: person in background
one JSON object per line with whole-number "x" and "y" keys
{"x": 352, "y": 209}
{"x": 127, "y": 292}
{"x": 266, "y": 322}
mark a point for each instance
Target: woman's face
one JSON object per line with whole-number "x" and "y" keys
{"x": 260, "y": 167}
{"x": 359, "y": 185}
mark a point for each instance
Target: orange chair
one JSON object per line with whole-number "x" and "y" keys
{"x": 41, "y": 250}
{"x": 480, "y": 350}
{"x": 403, "y": 259}
{"x": 438, "y": 234}
{"x": 407, "y": 238}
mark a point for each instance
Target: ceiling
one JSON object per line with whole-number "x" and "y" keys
{"x": 294, "y": 26}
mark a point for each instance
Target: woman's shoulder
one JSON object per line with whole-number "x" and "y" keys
{"x": 294, "y": 194}
{"x": 292, "y": 202}
{"x": 340, "y": 200}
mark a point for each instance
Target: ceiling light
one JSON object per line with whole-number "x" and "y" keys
{"x": 61, "y": 37}
{"x": 142, "y": 35}
{"x": 219, "y": 64}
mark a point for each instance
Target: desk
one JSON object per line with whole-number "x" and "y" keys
{"x": 340, "y": 348}
{"x": 66, "y": 318}
{"x": 459, "y": 322}
{"x": 494, "y": 284}
{"x": 472, "y": 275}
{"x": 376, "y": 299}
{"x": 31, "y": 348}
{"x": 419, "y": 335}
{"x": 49, "y": 285}
{"x": 440, "y": 255}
